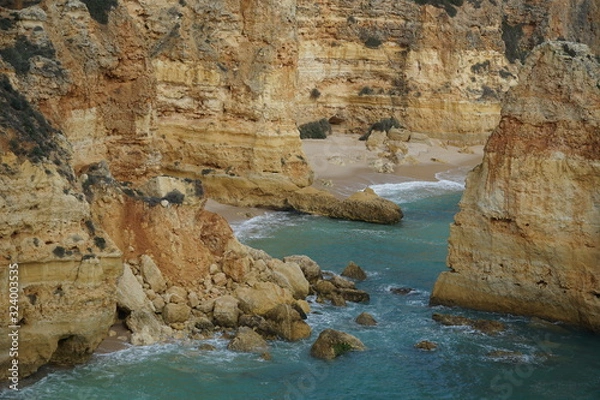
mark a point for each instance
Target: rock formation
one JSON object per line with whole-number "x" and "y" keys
{"x": 440, "y": 67}
{"x": 331, "y": 344}
{"x": 119, "y": 118}
{"x": 364, "y": 205}
{"x": 67, "y": 265}
{"x": 527, "y": 238}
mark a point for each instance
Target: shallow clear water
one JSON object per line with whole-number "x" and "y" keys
{"x": 553, "y": 362}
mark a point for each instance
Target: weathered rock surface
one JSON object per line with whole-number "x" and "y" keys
{"x": 353, "y": 271}
{"x": 287, "y": 323}
{"x": 488, "y": 327}
{"x": 364, "y": 205}
{"x": 248, "y": 341}
{"x": 67, "y": 271}
{"x": 426, "y": 345}
{"x": 331, "y": 344}
{"x": 366, "y": 319}
{"x": 440, "y": 67}
{"x": 527, "y": 238}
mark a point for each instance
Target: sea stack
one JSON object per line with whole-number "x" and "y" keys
{"x": 527, "y": 238}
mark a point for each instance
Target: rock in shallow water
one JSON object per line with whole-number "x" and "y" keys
{"x": 366, "y": 319}
{"x": 331, "y": 344}
{"x": 483, "y": 325}
{"x": 248, "y": 341}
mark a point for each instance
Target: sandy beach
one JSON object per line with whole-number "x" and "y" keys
{"x": 343, "y": 165}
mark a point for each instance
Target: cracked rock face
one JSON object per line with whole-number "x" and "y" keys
{"x": 527, "y": 237}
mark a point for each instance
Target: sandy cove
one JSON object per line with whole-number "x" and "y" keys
{"x": 342, "y": 166}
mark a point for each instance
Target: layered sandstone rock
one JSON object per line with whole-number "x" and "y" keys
{"x": 440, "y": 67}
{"x": 364, "y": 205}
{"x": 67, "y": 265}
{"x": 527, "y": 238}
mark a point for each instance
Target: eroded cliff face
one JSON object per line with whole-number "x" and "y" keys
{"x": 67, "y": 265}
{"x": 440, "y": 67}
{"x": 527, "y": 238}
{"x": 194, "y": 89}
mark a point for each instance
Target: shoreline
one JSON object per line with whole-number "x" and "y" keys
{"x": 341, "y": 165}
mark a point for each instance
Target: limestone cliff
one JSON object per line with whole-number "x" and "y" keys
{"x": 68, "y": 266}
{"x": 440, "y": 67}
{"x": 527, "y": 238}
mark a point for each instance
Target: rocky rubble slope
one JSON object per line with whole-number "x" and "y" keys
{"x": 527, "y": 237}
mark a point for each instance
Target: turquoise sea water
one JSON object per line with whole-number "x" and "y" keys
{"x": 552, "y": 361}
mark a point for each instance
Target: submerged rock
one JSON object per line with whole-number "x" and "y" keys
{"x": 426, "y": 345}
{"x": 331, "y": 344}
{"x": 402, "y": 290}
{"x": 483, "y": 325}
{"x": 366, "y": 319}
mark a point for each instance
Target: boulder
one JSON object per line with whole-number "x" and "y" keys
{"x": 130, "y": 294}
{"x": 248, "y": 341}
{"x": 145, "y": 327}
{"x": 226, "y": 311}
{"x": 173, "y": 313}
{"x": 176, "y": 294}
{"x": 365, "y": 319}
{"x": 288, "y": 323}
{"x": 310, "y": 269}
{"x": 369, "y": 207}
{"x": 151, "y": 274}
{"x": 331, "y": 344}
{"x": 324, "y": 288}
{"x": 353, "y": 271}
{"x": 341, "y": 283}
{"x": 262, "y": 297}
{"x": 355, "y": 295}
{"x": 236, "y": 266}
{"x": 293, "y": 277}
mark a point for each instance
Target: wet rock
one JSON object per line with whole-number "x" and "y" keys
{"x": 342, "y": 283}
{"x": 248, "y": 341}
{"x": 146, "y": 328}
{"x": 366, "y": 319}
{"x": 204, "y": 324}
{"x": 355, "y": 295}
{"x": 426, "y": 345}
{"x": 331, "y": 344}
{"x": 402, "y": 290}
{"x": 206, "y": 347}
{"x": 485, "y": 326}
{"x": 324, "y": 287}
{"x": 288, "y": 323}
{"x": 353, "y": 271}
